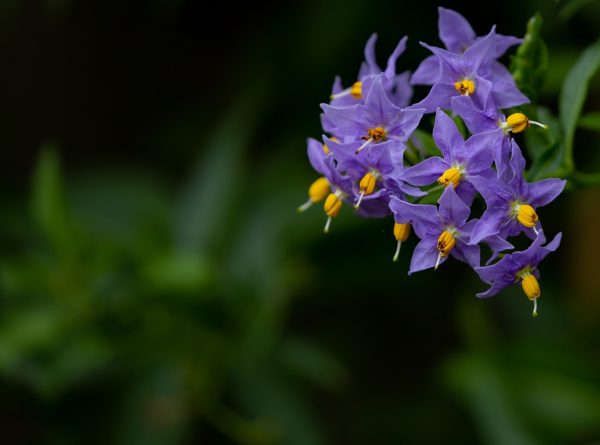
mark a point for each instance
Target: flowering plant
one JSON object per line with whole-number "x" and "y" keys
{"x": 374, "y": 157}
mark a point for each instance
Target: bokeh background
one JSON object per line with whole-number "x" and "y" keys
{"x": 158, "y": 287}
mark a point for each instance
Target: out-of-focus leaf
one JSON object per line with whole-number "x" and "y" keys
{"x": 313, "y": 363}
{"x": 484, "y": 389}
{"x": 530, "y": 63}
{"x": 48, "y": 203}
{"x": 589, "y": 121}
{"x": 572, "y": 97}
{"x": 572, "y": 7}
{"x": 178, "y": 273}
{"x": 424, "y": 143}
{"x": 544, "y": 146}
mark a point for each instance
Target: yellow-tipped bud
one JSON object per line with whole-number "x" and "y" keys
{"x": 527, "y": 216}
{"x": 445, "y": 243}
{"x": 530, "y": 286}
{"x": 318, "y": 190}
{"x": 356, "y": 90}
{"x": 466, "y": 87}
{"x": 517, "y": 122}
{"x": 401, "y": 231}
{"x": 452, "y": 175}
{"x": 367, "y": 183}
{"x": 333, "y": 205}
{"x": 375, "y": 134}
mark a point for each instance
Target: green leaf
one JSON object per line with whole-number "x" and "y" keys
{"x": 590, "y": 121}
{"x": 572, "y": 97}
{"x": 530, "y": 64}
{"x": 48, "y": 203}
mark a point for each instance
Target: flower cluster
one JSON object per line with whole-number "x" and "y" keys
{"x": 371, "y": 158}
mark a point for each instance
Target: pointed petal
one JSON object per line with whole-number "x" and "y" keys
{"x": 427, "y": 73}
{"x": 424, "y": 217}
{"x": 504, "y": 42}
{"x": 446, "y": 136}
{"x": 455, "y": 31}
{"x": 452, "y": 209}
{"x": 497, "y": 286}
{"x": 439, "y": 97}
{"x": 506, "y": 94}
{"x": 370, "y": 55}
{"x": 405, "y": 123}
{"x": 479, "y": 151}
{"x": 544, "y": 192}
{"x": 425, "y": 255}
{"x": 378, "y": 105}
{"x": 475, "y": 119}
{"x": 390, "y": 70}
{"x": 425, "y": 172}
{"x": 482, "y": 51}
{"x": 467, "y": 254}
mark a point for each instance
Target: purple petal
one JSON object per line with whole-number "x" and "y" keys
{"x": 475, "y": 119}
{"x": 316, "y": 155}
{"x": 487, "y": 226}
{"x": 400, "y": 90}
{"x": 497, "y": 286}
{"x": 378, "y": 105}
{"x": 425, "y": 172}
{"x": 544, "y": 192}
{"x": 390, "y": 70}
{"x": 452, "y": 209}
{"x": 455, "y": 31}
{"x": 480, "y": 151}
{"x": 405, "y": 123}
{"x": 423, "y": 217}
{"x": 427, "y": 73}
{"x": 482, "y": 51}
{"x": 370, "y": 55}
{"x": 506, "y": 94}
{"x": 425, "y": 255}
{"x": 467, "y": 254}
{"x": 446, "y": 136}
{"x": 504, "y": 42}
{"x": 439, "y": 97}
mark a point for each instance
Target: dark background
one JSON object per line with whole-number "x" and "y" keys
{"x": 157, "y": 286}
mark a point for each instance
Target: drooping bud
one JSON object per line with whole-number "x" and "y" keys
{"x": 466, "y": 87}
{"x": 450, "y": 176}
{"x": 317, "y": 191}
{"x": 518, "y": 122}
{"x": 531, "y": 287}
{"x": 332, "y": 207}
{"x": 401, "y": 232}
{"x": 526, "y": 215}
{"x": 356, "y": 90}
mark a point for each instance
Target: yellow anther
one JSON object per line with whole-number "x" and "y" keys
{"x": 367, "y": 183}
{"x": 326, "y": 149}
{"x": 452, "y": 175}
{"x": 526, "y": 215}
{"x": 333, "y": 205}
{"x": 466, "y": 87}
{"x": 356, "y": 90}
{"x": 530, "y": 286}
{"x": 318, "y": 190}
{"x": 517, "y": 122}
{"x": 401, "y": 231}
{"x": 375, "y": 134}
{"x": 445, "y": 243}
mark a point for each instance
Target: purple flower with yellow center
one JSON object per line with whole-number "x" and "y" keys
{"x": 376, "y": 174}
{"x": 332, "y": 186}
{"x": 488, "y": 118}
{"x": 461, "y": 159}
{"x": 396, "y": 85}
{"x": 519, "y": 267}
{"x": 377, "y": 120}
{"x": 471, "y": 74}
{"x": 457, "y": 35}
{"x": 511, "y": 205}
{"x": 443, "y": 231}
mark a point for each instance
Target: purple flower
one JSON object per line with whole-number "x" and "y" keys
{"x": 396, "y": 85}
{"x": 471, "y": 73}
{"x": 376, "y": 174}
{"x": 461, "y": 159}
{"x": 519, "y": 266}
{"x": 375, "y": 121}
{"x": 512, "y": 203}
{"x": 443, "y": 232}
{"x": 458, "y": 36}
{"x": 333, "y": 186}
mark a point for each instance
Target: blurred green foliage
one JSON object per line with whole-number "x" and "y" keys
{"x": 182, "y": 300}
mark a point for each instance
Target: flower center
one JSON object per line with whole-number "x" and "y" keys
{"x": 332, "y": 207}
{"x": 525, "y": 214}
{"x": 375, "y": 134}
{"x": 466, "y": 87}
{"x": 446, "y": 242}
{"x": 452, "y": 175}
{"x": 367, "y": 185}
